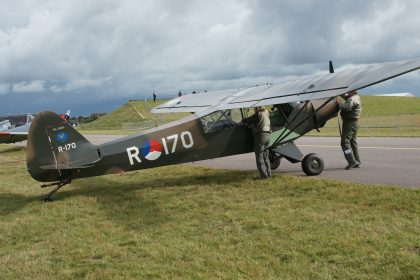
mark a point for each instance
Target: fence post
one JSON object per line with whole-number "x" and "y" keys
{"x": 367, "y": 121}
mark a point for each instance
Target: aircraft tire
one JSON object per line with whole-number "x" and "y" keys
{"x": 312, "y": 164}
{"x": 274, "y": 161}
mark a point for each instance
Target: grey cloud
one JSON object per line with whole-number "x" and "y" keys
{"x": 121, "y": 48}
{"x": 31, "y": 86}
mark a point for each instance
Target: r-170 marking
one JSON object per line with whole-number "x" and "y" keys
{"x": 67, "y": 147}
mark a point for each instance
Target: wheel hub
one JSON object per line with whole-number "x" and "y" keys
{"x": 315, "y": 164}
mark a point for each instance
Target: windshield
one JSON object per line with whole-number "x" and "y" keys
{"x": 221, "y": 120}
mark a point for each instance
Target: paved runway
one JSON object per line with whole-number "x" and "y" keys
{"x": 385, "y": 160}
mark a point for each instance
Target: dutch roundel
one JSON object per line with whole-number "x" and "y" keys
{"x": 151, "y": 150}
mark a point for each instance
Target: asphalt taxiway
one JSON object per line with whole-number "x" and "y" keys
{"x": 385, "y": 160}
{"x": 392, "y": 161}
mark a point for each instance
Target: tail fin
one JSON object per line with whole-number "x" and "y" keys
{"x": 331, "y": 67}
{"x": 56, "y": 149}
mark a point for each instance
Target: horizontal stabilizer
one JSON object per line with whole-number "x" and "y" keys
{"x": 64, "y": 166}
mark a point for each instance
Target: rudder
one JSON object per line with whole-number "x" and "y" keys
{"x": 55, "y": 149}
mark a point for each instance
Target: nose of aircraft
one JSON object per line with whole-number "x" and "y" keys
{"x": 326, "y": 112}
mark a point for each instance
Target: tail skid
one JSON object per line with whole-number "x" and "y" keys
{"x": 58, "y": 185}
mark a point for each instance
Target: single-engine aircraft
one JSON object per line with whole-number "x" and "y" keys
{"x": 20, "y": 133}
{"x": 16, "y": 134}
{"x": 58, "y": 153}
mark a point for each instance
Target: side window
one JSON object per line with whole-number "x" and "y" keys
{"x": 220, "y": 120}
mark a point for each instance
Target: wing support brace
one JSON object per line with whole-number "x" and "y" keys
{"x": 284, "y": 135}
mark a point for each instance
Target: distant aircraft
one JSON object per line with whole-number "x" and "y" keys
{"x": 58, "y": 153}
{"x": 14, "y": 135}
{"x": 20, "y": 133}
{"x": 5, "y": 125}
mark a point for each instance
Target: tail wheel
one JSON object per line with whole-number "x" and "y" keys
{"x": 275, "y": 160}
{"x": 312, "y": 164}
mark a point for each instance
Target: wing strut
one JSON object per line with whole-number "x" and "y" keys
{"x": 281, "y": 137}
{"x": 286, "y": 125}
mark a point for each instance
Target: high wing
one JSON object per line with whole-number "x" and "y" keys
{"x": 300, "y": 89}
{"x": 15, "y": 134}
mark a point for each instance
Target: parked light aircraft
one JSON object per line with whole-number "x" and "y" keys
{"x": 20, "y": 133}
{"x": 58, "y": 153}
{"x": 16, "y": 134}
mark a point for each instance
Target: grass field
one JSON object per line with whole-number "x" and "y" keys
{"x": 187, "y": 222}
{"x": 380, "y": 105}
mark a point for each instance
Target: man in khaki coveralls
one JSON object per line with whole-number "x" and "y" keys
{"x": 261, "y": 129}
{"x": 350, "y": 113}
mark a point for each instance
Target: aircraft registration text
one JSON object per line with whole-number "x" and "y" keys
{"x": 67, "y": 147}
{"x": 152, "y": 149}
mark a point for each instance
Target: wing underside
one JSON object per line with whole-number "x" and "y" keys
{"x": 15, "y": 134}
{"x": 300, "y": 89}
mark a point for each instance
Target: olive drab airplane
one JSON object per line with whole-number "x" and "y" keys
{"x": 57, "y": 153}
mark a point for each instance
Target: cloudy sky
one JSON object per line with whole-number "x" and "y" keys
{"x": 92, "y": 56}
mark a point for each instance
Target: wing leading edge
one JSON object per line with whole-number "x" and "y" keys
{"x": 300, "y": 89}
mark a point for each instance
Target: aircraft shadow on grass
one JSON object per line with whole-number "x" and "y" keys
{"x": 10, "y": 149}
{"x": 117, "y": 197}
{"x": 299, "y": 172}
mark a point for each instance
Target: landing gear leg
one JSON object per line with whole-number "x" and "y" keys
{"x": 59, "y": 185}
{"x": 312, "y": 164}
{"x": 275, "y": 160}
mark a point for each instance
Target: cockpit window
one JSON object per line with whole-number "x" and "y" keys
{"x": 221, "y": 120}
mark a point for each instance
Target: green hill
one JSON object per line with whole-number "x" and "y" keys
{"x": 132, "y": 115}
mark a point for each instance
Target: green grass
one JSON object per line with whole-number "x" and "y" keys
{"x": 381, "y": 105}
{"x": 188, "y": 222}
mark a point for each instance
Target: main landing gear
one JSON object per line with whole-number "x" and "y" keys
{"x": 312, "y": 164}
{"x": 59, "y": 185}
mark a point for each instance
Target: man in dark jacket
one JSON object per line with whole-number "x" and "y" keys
{"x": 350, "y": 113}
{"x": 261, "y": 129}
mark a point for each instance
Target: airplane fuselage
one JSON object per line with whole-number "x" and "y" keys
{"x": 61, "y": 153}
{"x": 185, "y": 142}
